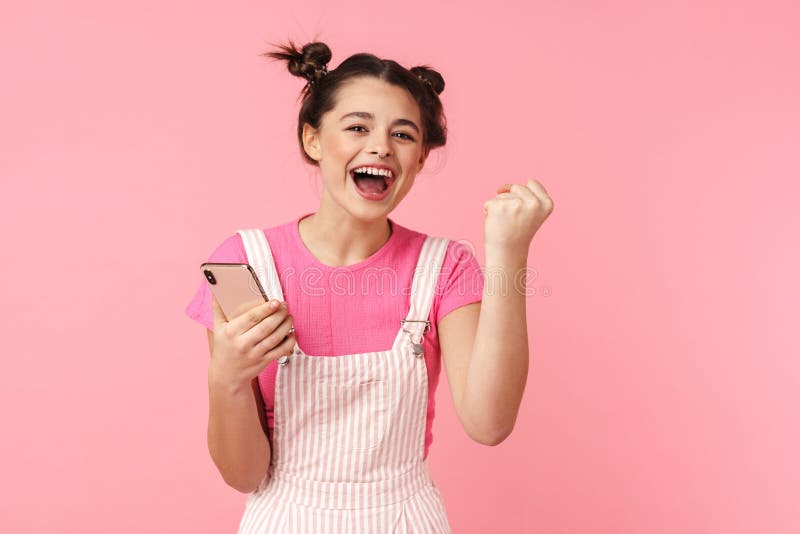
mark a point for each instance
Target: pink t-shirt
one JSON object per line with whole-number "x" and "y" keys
{"x": 356, "y": 308}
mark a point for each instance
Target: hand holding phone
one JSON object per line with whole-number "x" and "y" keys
{"x": 250, "y": 331}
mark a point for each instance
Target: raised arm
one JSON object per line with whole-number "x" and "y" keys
{"x": 485, "y": 345}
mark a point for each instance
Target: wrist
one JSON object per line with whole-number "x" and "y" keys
{"x": 506, "y": 254}
{"x": 220, "y": 382}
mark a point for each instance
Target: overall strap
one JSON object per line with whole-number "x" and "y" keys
{"x": 423, "y": 288}
{"x": 260, "y": 259}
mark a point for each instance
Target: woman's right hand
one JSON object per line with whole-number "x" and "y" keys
{"x": 245, "y": 345}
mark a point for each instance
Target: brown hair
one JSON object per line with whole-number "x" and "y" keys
{"x": 318, "y": 96}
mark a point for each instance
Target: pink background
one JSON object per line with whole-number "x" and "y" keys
{"x": 665, "y": 383}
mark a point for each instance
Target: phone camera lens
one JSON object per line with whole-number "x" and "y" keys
{"x": 210, "y": 277}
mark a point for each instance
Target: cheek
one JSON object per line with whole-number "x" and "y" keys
{"x": 336, "y": 155}
{"x": 337, "y": 147}
{"x": 407, "y": 186}
{"x": 411, "y": 158}
{"x": 338, "y": 151}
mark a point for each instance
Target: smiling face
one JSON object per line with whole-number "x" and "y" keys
{"x": 370, "y": 118}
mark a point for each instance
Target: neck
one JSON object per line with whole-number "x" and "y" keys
{"x": 340, "y": 239}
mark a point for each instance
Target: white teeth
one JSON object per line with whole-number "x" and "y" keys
{"x": 374, "y": 171}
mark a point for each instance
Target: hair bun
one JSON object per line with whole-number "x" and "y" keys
{"x": 309, "y": 62}
{"x": 429, "y": 76}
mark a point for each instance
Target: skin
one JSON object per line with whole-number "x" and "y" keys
{"x": 347, "y": 228}
{"x": 484, "y": 346}
{"x": 240, "y": 349}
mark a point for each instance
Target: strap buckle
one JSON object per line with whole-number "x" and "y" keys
{"x": 427, "y": 324}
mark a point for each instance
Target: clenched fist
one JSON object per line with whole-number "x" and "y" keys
{"x": 514, "y": 215}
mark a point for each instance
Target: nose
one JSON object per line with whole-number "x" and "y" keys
{"x": 379, "y": 145}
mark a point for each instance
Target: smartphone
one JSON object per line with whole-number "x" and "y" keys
{"x": 234, "y": 285}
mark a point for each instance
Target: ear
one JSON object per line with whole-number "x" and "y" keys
{"x": 311, "y": 143}
{"x": 423, "y": 158}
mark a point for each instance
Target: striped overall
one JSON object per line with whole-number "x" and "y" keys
{"x": 349, "y": 432}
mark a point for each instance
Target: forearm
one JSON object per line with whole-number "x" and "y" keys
{"x": 236, "y": 440}
{"x": 498, "y": 368}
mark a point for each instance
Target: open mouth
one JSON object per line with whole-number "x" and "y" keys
{"x": 372, "y": 181}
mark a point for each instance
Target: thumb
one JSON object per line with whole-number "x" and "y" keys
{"x": 216, "y": 310}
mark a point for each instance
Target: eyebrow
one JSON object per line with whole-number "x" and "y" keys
{"x": 370, "y": 116}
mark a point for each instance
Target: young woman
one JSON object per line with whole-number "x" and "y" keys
{"x": 321, "y": 401}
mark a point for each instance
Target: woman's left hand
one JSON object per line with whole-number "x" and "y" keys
{"x": 515, "y": 215}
